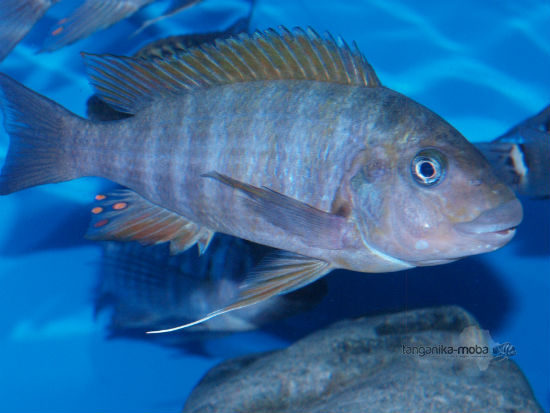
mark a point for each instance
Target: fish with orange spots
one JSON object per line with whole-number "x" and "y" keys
{"x": 17, "y": 18}
{"x": 284, "y": 138}
{"x": 94, "y": 15}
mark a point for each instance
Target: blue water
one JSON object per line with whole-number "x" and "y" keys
{"x": 482, "y": 65}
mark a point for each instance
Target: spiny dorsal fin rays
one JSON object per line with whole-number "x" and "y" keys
{"x": 131, "y": 84}
{"x": 279, "y": 273}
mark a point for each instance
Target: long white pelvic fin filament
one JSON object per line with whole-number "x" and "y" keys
{"x": 194, "y": 323}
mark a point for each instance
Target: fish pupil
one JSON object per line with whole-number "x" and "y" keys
{"x": 427, "y": 169}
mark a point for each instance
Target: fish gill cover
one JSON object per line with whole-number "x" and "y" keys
{"x": 50, "y": 323}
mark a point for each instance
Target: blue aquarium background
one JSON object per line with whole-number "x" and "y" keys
{"x": 482, "y": 65}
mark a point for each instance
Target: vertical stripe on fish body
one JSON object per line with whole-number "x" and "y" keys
{"x": 298, "y": 138}
{"x": 285, "y": 135}
{"x": 286, "y": 139}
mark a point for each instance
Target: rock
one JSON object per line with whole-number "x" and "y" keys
{"x": 373, "y": 364}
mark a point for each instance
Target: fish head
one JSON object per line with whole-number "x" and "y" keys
{"x": 426, "y": 196}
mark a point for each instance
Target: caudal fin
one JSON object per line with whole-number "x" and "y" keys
{"x": 41, "y": 133}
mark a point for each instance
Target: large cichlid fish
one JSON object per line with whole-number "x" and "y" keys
{"x": 286, "y": 139}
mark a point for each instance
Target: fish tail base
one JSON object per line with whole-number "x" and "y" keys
{"x": 41, "y": 135}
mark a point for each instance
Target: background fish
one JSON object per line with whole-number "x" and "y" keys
{"x": 146, "y": 288}
{"x": 94, "y": 15}
{"x": 285, "y": 139}
{"x": 17, "y": 17}
{"x": 521, "y": 157}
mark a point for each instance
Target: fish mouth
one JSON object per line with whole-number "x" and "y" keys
{"x": 496, "y": 225}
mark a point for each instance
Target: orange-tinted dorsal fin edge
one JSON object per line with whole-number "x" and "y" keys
{"x": 131, "y": 84}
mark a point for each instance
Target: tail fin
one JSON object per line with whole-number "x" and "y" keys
{"x": 39, "y": 132}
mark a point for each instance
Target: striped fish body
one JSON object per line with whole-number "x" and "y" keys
{"x": 298, "y": 138}
{"x": 285, "y": 139}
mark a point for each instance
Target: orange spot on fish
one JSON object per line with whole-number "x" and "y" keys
{"x": 120, "y": 205}
{"x": 97, "y": 210}
{"x": 100, "y": 197}
{"x": 57, "y": 31}
{"x": 101, "y": 223}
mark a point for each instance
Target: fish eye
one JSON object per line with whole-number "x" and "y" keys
{"x": 429, "y": 167}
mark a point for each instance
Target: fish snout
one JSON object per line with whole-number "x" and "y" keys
{"x": 496, "y": 225}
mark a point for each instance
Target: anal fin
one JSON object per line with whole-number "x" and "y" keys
{"x": 125, "y": 216}
{"x": 279, "y": 273}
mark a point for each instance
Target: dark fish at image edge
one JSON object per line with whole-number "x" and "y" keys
{"x": 521, "y": 157}
{"x": 287, "y": 139}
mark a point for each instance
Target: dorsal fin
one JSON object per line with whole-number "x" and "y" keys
{"x": 130, "y": 84}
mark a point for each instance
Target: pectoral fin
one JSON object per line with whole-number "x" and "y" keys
{"x": 126, "y": 216}
{"x": 317, "y": 228}
{"x": 279, "y": 273}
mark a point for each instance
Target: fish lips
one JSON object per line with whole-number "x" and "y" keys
{"x": 495, "y": 226}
